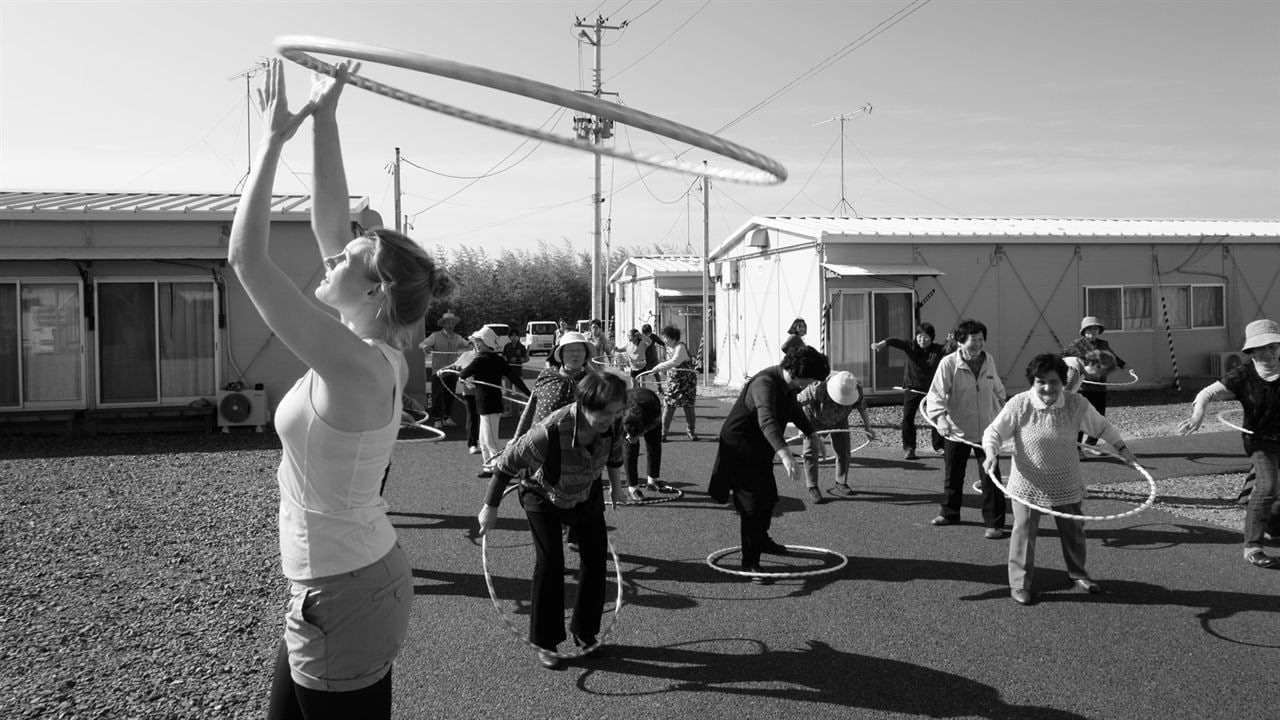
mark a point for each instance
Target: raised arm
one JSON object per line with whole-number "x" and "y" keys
{"x": 330, "y": 210}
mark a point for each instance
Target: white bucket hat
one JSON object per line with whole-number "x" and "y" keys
{"x": 843, "y": 387}
{"x": 1089, "y": 322}
{"x": 569, "y": 338}
{"x": 487, "y": 336}
{"x": 1260, "y": 333}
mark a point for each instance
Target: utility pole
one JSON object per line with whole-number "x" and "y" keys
{"x": 843, "y": 118}
{"x": 396, "y": 174}
{"x": 706, "y": 274}
{"x": 597, "y": 130}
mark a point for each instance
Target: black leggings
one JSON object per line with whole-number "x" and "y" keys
{"x": 291, "y": 701}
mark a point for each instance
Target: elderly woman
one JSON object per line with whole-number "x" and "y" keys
{"x": 350, "y": 584}
{"x": 751, "y": 438}
{"x": 558, "y": 463}
{"x": 681, "y": 388}
{"x": 555, "y": 385}
{"x": 1091, "y": 329}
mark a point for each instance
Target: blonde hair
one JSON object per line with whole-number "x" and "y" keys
{"x": 410, "y": 281}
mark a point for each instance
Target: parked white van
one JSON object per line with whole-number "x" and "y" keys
{"x": 540, "y": 336}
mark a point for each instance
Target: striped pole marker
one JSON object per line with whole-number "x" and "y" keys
{"x": 826, "y": 327}
{"x": 1168, "y": 332}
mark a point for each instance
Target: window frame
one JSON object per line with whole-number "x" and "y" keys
{"x": 1123, "y": 289}
{"x": 23, "y": 402}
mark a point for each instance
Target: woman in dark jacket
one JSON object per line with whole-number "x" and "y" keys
{"x": 751, "y": 438}
{"x": 923, "y": 355}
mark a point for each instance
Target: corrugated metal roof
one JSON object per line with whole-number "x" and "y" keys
{"x": 658, "y": 265}
{"x": 830, "y": 229}
{"x": 16, "y": 205}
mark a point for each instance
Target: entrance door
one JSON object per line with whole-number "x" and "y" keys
{"x": 859, "y": 318}
{"x": 850, "y": 332}
{"x": 893, "y": 316}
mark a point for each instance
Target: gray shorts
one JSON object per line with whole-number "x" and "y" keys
{"x": 344, "y": 631}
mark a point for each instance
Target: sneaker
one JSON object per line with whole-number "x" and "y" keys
{"x": 995, "y": 533}
{"x": 634, "y": 493}
{"x": 939, "y": 450}
{"x": 773, "y": 547}
{"x": 842, "y": 490}
{"x": 660, "y": 487}
{"x": 448, "y": 422}
{"x": 485, "y": 472}
{"x": 815, "y": 496}
{"x": 473, "y": 449}
{"x": 910, "y": 454}
{"x": 693, "y": 436}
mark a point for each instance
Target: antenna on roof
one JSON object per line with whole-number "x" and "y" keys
{"x": 843, "y": 118}
{"x": 248, "y": 75}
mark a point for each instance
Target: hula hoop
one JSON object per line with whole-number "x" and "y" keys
{"x": 1151, "y": 482}
{"x": 1231, "y": 425}
{"x": 617, "y": 362}
{"x": 423, "y": 426}
{"x": 662, "y": 498}
{"x": 767, "y": 170}
{"x": 505, "y": 395}
{"x": 604, "y": 632}
{"x": 1132, "y": 374}
{"x": 907, "y": 389}
{"x": 711, "y": 561}
{"x": 798, "y": 438}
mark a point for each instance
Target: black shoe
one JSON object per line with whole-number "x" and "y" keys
{"x": 773, "y": 548}
{"x": 909, "y": 454}
{"x": 760, "y": 576}
{"x": 943, "y": 520}
{"x": 550, "y": 661}
{"x": 588, "y": 644}
{"x": 484, "y": 473}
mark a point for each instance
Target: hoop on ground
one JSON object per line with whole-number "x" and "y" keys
{"x": 604, "y": 631}
{"x": 1222, "y": 419}
{"x": 767, "y": 171}
{"x": 422, "y": 425}
{"x": 1132, "y": 375}
{"x": 840, "y": 563}
{"x": 656, "y": 500}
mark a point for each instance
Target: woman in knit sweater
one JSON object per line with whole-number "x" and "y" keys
{"x": 1042, "y": 422}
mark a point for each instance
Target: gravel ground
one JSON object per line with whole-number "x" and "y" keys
{"x": 111, "y": 608}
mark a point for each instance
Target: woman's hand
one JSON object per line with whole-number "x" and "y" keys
{"x": 1191, "y": 424}
{"x": 488, "y": 517}
{"x": 281, "y": 124}
{"x": 326, "y": 90}
{"x": 989, "y": 465}
{"x": 789, "y": 464}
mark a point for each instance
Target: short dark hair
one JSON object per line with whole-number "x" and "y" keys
{"x": 646, "y": 328}
{"x": 596, "y": 390}
{"x": 672, "y": 332}
{"x": 968, "y": 327}
{"x": 644, "y": 409}
{"x": 1045, "y": 363}
{"x": 795, "y": 326}
{"x": 927, "y": 329}
{"x": 806, "y": 362}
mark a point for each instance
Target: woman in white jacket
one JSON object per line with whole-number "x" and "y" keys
{"x": 965, "y": 396}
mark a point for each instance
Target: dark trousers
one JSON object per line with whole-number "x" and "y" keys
{"x": 1098, "y": 399}
{"x": 910, "y": 404}
{"x": 955, "y": 460}
{"x": 586, "y": 519}
{"x": 443, "y": 386}
{"x": 755, "y": 509}
{"x": 473, "y": 420}
{"x": 653, "y": 454}
{"x": 1258, "y": 513}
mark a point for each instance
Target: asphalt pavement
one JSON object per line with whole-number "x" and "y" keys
{"x": 919, "y": 623}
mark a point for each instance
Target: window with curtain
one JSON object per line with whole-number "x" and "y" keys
{"x": 155, "y": 341}
{"x": 1104, "y": 304}
{"x": 894, "y": 316}
{"x": 51, "y": 357}
{"x": 1208, "y": 306}
{"x": 850, "y": 333}
{"x": 1137, "y": 308}
{"x": 1177, "y": 303}
{"x": 9, "y": 342}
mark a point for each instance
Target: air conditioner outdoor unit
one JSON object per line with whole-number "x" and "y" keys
{"x": 240, "y": 408}
{"x": 1221, "y": 363}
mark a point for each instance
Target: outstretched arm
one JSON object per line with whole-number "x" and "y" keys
{"x": 330, "y": 210}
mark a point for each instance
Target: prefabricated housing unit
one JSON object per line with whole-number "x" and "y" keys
{"x": 1169, "y": 291}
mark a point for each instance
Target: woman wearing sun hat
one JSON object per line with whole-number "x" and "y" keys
{"x": 554, "y": 386}
{"x": 827, "y": 405}
{"x": 490, "y": 368}
{"x": 1257, "y": 386}
{"x": 1091, "y": 328}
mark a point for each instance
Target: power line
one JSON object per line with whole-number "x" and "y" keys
{"x": 664, "y": 40}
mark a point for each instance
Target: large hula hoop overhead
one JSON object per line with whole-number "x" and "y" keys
{"x": 604, "y": 631}
{"x": 767, "y": 170}
{"x": 1151, "y": 483}
{"x": 841, "y": 561}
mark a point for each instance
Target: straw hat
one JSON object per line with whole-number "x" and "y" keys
{"x": 843, "y": 387}
{"x": 569, "y": 338}
{"x": 1260, "y": 333}
{"x": 487, "y": 336}
{"x": 1089, "y": 322}
{"x": 446, "y": 317}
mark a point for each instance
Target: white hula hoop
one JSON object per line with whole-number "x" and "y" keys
{"x": 658, "y": 499}
{"x": 1222, "y": 419}
{"x": 604, "y": 631}
{"x": 906, "y": 389}
{"x": 840, "y": 563}
{"x": 423, "y": 426}
{"x": 1132, "y": 374}
{"x": 1151, "y": 482}
{"x": 767, "y": 170}
{"x": 849, "y": 431}
{"x": 505, "y": 395}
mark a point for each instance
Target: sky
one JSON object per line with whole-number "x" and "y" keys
{"x": 979, "y": 108}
